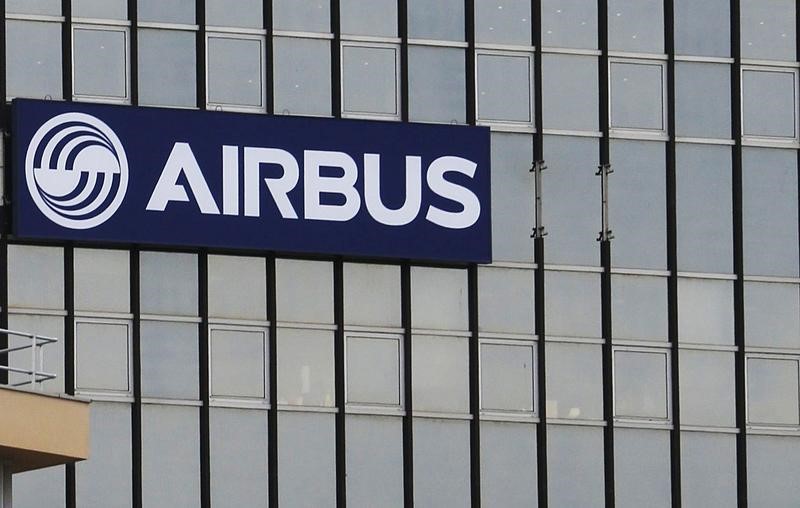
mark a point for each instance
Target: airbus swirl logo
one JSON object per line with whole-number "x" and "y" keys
{"x": 76, "y": 170}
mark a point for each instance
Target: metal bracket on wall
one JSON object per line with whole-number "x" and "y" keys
{"x": 603, "y": 171}
{"x": 536, "y": 169}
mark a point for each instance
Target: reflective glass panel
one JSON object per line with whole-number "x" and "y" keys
{"x": 512, "y": 202}
{"x": 242, "y": 13}
{"x": 33, "y": 59}
{"x": 768, "y": 29}
{"x": 641, "y": 468}
{"x": 636, "y": 25}
{"x": 574, "y": 381}
{"x": 702, "y": 28}
{"x": 504, "y": 366}
{"x": 102, "y": 350}
{"x": 302, "y": 15}
{"x": 569, "y": 23}
{"x": 306, "y": 459}
{"x": 441, "y": 462}
{"x": 769, "y": 107}
{"x": 705, "y": 311}
{"x": 772, "y": 314}
{"x": 369, "y": 80}
{"x": 369, "y": 17}
{"x": 637, "y": 95}
{"x": 436, "y": 19}
{"x": 439, "y": 298}
{"x": 708, "y": 469}
{"x": 166, "y": 58}
{"x": 773, "y": 465}
{"x": 373, "y": 370}
{"x": 107, "y": 9}
{"x": 167, "y": 11}
{"x": 505, "y": 303}
{"x": 504, "y": 87}
{"x": 572, "y": 305}
{"x": 305, "y": 367}
{"x": 640, "y": 384}
{"x": 570, "y": 101}
{"x": 374, "y": 459}
{"x": 436, "y": 84}
{"x": 238, "y": 458}
{"x": 234, "y": 72}
{"x": 707, "y": 397}
{"x": 508, "y": 462}
{"x": 372, "y": 294}
{"x": 100, "y": 63}
{"x": 702, "y": 100}
{"x": 639, "y": 305}
{"x": 238, "y": 362}
{"x": 48, "y": 7}
{"x": 302, "y": 74}
{"x": 503, "y": 22}
{"x": 440, "y": 374}
{"x": 772, "y": 391}
{"x": 170, "y": 356}
{"x": 575, "y": 466}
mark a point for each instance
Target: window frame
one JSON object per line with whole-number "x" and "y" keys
{"x": 240, "y": 401}
{"x": 508, "y": 125}
{"x": 643, "y": 420}
{"x": 238, "y": 34}
{"x": 771, "y": 141}
{"x": 638, "y": 132}
{"x": 507, "y": 414}
{"x": 775, "y": 427}
{"x": 375, "y": 408}
{"x": 105, "y": 394}
{"x": 355, "y": 42}
{"x": 102, "y": 26}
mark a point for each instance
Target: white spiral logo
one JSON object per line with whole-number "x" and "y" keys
{"x": 76, "y": 170}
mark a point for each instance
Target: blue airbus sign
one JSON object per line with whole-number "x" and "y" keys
{"x": 88, "y": 172}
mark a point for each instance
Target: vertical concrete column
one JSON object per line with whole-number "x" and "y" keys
{"x": 5, "y": 485}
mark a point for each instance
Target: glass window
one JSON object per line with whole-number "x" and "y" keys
{"x": 637, "y": 204}
{"x": 439, "y": 298}
{"x": 769, "y": 203}
{"x": 306, "y": 459}
{"x": 105, "y": 9}
{"x": 773, "y": 466}
{"x": 503, "y": 22}
{"x": 702, "y": 28}
{"x": 105, "y": 479}
{"x": 702, "y": 100}
{"x": 436, "y": 19}
{"x": 243, "y": 13}
{"x": 238, "y": 362}
{"x": 167, "y": 11}
{"x": 570, "y": 101}
{"x": 705, "y": 311}
{"x": 374, "y": 459}
{"x": 49, "y": 326}
{"x": 504, "y": 365}
{"x": 440, "y": 374}
{"x": 768, "y": 29}
{"x": 166, "y": 58}
{"x": 505, "y": 303}
{"x": 575, "y": 466}
{"x": 706, "y": 385}
{"x": 436, "y": 86}
{"x": 641, "y": 387}
{"x": 303, "y": 15}
{"x": 704, "y": 208}
{"x": 100, "y": 63}
{"x": 708, "y": 469}
{"x": 441, "y": 462}
{"x": 504, "y": 87}
{"x": 40, "y": 487}
{"x": 305, "y": 367}
{"x": 304, "y": 290}
{"x": 571, "y": 206}
{"x": 512, "y": 197}
{"x": 369, "y": 79}
{"x": 769, "y": 103}
{"x": 235, "y": 72}
{"x": 102, "y": 280}
{"x": 772, "y": 391}
{"x": 642, "y": 468}
{"x": 102, "y": 349}
{"x": 636, "y": 25}
{"x": 238, "y": 458}
{"x": 170, "y": 455}
{"x": 772, "y": 314}
{"x": 35, "y": 277}
{"x": 508, "y": 464}
{"x": 637, "y": 95}
{"x": 302, "y": 74}
{"x": 639, "y": 305}
{"x": 368, "y": 17}
{"x": 572, "y": 306}
{"x": 168, "y": 283}
{"x": 33, "y": 59}
{"x": 569, "y": 23}
{"x": 47, "y": 7}
{"x": 372, "y": 295}
{"x": 169, "y": 356}
{"x": 237, "y": 287}
{"x": 373, "y": 370}
{"x": 574, "y": 381}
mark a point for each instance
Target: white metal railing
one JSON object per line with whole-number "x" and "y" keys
{"x": 36, "y": 373}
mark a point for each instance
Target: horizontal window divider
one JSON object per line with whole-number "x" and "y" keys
{"x": 641, "y": 345}
{"x": 168, "y": 106}
{"x": 387, "y": 330}
{"x": 172, "y": 319}
{"x": 360, "y": 409}
{"x": 575, "y": 340}
{"x": 96, "y": 396}
{"x": 759, "y": 63}
{"x": 307, "y": 409}
{"x": 35, "y": 17}
{"x": 221, "y": 323}
{"x": 511, "y": 264}
{"x": 441, "y": 416}
{"x": 499, "y": 126}
{"x": 37, "y": 312}
{"x": 302, "y": 35}
{"x": 772, "y": 352}
{"x": 571, "y": 51}
{"x": 573, "y": 268}
{"x": 696, "y": 346}
{"x": 759, "y": 430}
{"x": 640, "y": 271}
{"x": 374, "y": 335}
{"x": 634, "y": 423}
{"x": 789, "y": 143}
{"x": 639, "y": 56}
{"x": 87, "y": 316}
{"x": 507, "y": 337}
{"x": 576, "y": 422}
{"x": 211, "y": 30}
{"x": 360, "y": 115}
{"x": 502, "y": 416}
{"x": 168, "y": 26}
{"x": 707, "y": 275}
{"x": 437, "y": 122}
{"x": 704, "y": 59}
{"x": 234, "y": 108}
{"x": 479, "y": 46}
{"x": 234, "y": 403}
{"x": 95, "y": 22}
{"x": 171, "y": 402}
{"x": 638, "y": 134}
{"x": 568, "y": 132}
{"x": 101, "y": 100}
{"x": 461, "y": 334}
{"x": 705, "y": 141}
{"x": 438, "y": 43}
{"x": 345, "y": 38}
{"x": 771, "y": 278}
{"x": 712, "y": 429}
{"x": 305, "y": 326}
